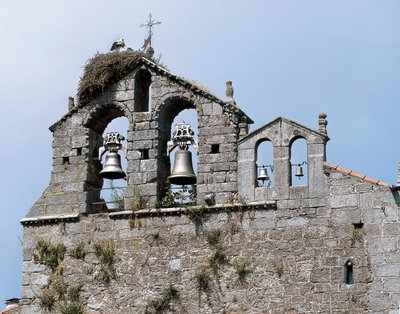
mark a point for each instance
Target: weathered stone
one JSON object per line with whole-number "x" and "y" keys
{"x": 297, "y": 241}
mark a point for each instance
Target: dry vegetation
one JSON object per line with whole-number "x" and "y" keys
{"x": 103, "y": 70}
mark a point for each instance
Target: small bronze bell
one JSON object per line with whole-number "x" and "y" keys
{"x": 299, "y": 171}
{"x": 182, "y": 172}
{"x": 263, "y": 174}
{"x": 112, "y": 167}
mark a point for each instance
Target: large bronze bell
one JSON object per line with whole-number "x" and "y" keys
{"x": 112, "y": 167}
{"x": 182, "y": 172}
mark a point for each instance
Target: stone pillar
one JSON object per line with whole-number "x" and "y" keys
{"x": 281, "y": 172}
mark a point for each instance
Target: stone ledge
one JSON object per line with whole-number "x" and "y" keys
{"x": 181, "y": 210}
{"x": 49, "y": 219}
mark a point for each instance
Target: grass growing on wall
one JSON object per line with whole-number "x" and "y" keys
{"x": 49, "y": 254}
{"x": 163, "y": 303}
{"x": 105, "y": 252}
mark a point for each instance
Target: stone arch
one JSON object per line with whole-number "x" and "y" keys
{"x": 165, "y": 115}
{"x": 142, "y": 91}
{"x": 100, "y": 116}
{"x": 95, "y": 122}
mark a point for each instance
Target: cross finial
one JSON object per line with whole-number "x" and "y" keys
{"x": 149, "y": 25}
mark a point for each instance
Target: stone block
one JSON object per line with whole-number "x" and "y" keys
{"x": 350, "y": 200}
{"x": 291, "y": 222}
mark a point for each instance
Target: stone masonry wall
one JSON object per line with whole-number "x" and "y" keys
{"x": 295, "y": 250}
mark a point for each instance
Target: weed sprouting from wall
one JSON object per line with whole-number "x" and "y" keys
{"x": 47, "y": 300}
{"x": 218, "y": 258}
{"x": 196, "y": 213}
{"x": 78, "y": 251}
{"x": 213, "y": 237}
{"x": 357, "y": 233}
{"x": 72, "y": 307}
{"x": 49, "y": 254}
{"x": 203, "y": 278}
{"x": 242, "y": 270}
{"x": 167, "y": 201}
{"x": 60, "y": 298}
{"x": 105, "y": 252}
{"x": 279, "y": 269}
{"x": 163, "y": 303}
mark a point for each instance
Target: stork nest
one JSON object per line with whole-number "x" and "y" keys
{"x": 103, "y": 70}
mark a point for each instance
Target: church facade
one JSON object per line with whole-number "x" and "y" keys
{"x": 247, "y": 242}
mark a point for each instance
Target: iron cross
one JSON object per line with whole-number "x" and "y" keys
{"x": 149, "y": 25}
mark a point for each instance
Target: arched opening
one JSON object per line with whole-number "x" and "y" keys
{"x": 298, "y": 162}
{"x": 185, "y": 194}
{"x": 349, "y": 274}
{"x": 175, "y": 111}
{"x": 264, "y": 163}
{"x": 142, "y": 91}
{"x": 104, "y": 194}
{"x": 113, "y": 190}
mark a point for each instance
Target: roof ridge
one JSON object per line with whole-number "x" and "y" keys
{"x": 356, "y": 175}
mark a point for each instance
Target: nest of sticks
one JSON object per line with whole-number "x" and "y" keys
{"x": 103, "y": 70}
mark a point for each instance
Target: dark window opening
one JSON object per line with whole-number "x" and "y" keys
{"x": 65, "y": 162}
{"x": 142, "y": 91}
{"x": 144, "y": 154}
{"x": 358, "y": 225}
{"x": 214, "y": 148}
{"x": 349, "y": 272}
{"x": 79, "y": 151}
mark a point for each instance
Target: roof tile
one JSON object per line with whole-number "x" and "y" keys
{"x": 356, "y": 175}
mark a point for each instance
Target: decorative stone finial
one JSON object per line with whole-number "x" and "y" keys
{"x": 71, "y": 103}
{"x": 398, "y": 174}
{"x": 322, "y": 123}
{"x": 229, "y": 92}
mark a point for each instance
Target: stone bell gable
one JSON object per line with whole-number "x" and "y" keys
{"x": 282, "y": 132}
{"x": 150, "y": 97}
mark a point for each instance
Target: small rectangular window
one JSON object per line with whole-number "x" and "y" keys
{"x": 65, "y": 160}
{"x": 144, "y": 154}
{"x": 214, "y": 148}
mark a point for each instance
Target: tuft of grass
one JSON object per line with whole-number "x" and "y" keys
{"x": 242, "y": 270}
{"x": 218, "y": 258}
{"x": 72, "y": 307}
{"x": 195, "y": 214}
{"x": 213, "y": 237}
{"x": 49, "y": 254}
{"x": 163, "y": 303}
{"x": 79, "y": 251}
{"x": 73, "y": 292}
{"x": 279, "y": 269}
{"x": 105, "y": 252}
{"x": 47, "y": 300}
{"x": 203, "y": 278}
{"x": 357, "y": 235}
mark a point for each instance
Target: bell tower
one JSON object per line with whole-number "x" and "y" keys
{"x": 150, "y": 97}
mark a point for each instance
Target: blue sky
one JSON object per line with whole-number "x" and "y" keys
{"x": 286, "y": 58}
